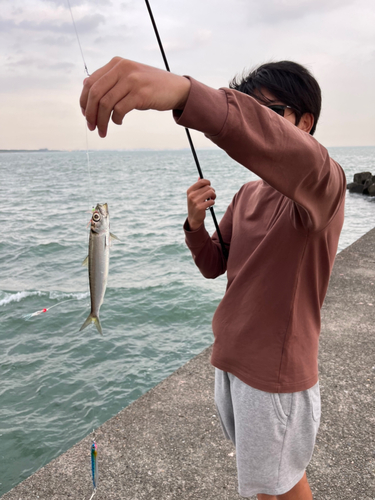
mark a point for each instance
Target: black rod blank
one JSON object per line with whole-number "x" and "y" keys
{"x": 223, "y": 247}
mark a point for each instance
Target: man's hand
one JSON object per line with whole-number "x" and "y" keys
{"x": 121, "y": 86}
{"x": 200, "y": 196}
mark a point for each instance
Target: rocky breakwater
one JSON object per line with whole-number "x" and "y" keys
{"x": 363, "y": 183}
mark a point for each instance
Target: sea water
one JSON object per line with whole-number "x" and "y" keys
{"x": 58, "y": 383}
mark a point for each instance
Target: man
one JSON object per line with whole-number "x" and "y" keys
{"x": 281, "y": 234}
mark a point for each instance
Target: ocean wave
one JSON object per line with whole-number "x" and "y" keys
{"x": 54, "y": 295}
{"x": 9, "y": 297}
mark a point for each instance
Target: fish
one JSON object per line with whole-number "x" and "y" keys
{"x": 98, "y": 262}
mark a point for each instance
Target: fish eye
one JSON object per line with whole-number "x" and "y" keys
{"x": 95, "y": 217}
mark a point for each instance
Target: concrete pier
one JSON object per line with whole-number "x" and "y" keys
{"x": 168, "y": 444}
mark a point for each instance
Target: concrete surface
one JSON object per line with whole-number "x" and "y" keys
{"x": 168, "y": 444}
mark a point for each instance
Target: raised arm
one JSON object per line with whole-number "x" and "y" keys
{"x": 287, "y": 158}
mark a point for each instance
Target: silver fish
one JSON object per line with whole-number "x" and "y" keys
{"x": 98, "y": 262}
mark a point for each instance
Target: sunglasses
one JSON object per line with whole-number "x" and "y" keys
{"x": 279, "y": 108}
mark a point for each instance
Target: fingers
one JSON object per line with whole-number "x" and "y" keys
{"x": 101, "y": 94}
{"x": 200, "y": 184}
{"x": 116, "y": 102}
{"x": 201, "y": 193}
{"x": 122, "y": 85}
{"x": 123, "y": 107}
{"x": 200, "y": 196}
{"x": 94, "y": 77}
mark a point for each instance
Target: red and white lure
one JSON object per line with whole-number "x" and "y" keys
{"x": 37, "y": 313}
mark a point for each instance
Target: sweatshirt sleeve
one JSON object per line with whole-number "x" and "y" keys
{"x": 287, "y": 158}
{"x": 206, "y": 251}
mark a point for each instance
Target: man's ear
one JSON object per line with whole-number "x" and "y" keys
{"x": 306, "y": 122}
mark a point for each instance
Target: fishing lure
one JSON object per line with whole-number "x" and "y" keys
{"x": 94, "y": 464}
{"x": 36, "y": 313}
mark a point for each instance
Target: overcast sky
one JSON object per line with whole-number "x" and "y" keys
{"x": 212, "y": 40}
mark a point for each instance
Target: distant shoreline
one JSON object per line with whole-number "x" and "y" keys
{"x": 43, "y": 150}
{"x": 46, "y": 150}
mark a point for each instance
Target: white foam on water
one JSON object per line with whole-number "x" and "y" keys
{"x": 17, "y": 297}
{"x": 63, "y": 295}
{"x": 8, "y": 297}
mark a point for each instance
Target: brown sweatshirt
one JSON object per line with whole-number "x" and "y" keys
{"x": 282, "y": 233}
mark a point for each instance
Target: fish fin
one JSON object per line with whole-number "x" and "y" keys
{"x": 92, "y": 319}
{"x": 98, "y": 325}
{"x": 86, "y": 261}
{"x": 114, "y": 237}
{"x": 87, "y": 322}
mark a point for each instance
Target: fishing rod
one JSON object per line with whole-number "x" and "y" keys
{"x": 223, "y": 247}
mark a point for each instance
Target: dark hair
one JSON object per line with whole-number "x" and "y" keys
{"x": 289, "y": 82}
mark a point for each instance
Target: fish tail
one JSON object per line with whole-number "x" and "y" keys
{"x": 92, "y": 319}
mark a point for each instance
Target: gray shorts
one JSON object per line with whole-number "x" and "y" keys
{"x": 274, "y": 434}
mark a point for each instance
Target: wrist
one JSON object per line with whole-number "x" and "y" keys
{"x": 194, "y": 225}
{"x": 184, "y": 90}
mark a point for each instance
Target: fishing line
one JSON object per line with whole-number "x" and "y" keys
{"x": 94, "y": 448}
{"x": 79, "y": 43}
{"x": 223, "y": 247}
{"x": 88, "y": 74}
{"x": 92, "y": 496}
{"x": 85, "y": 125}
{"x": 88, "y": 166}
{"x": 37, "y": 313}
